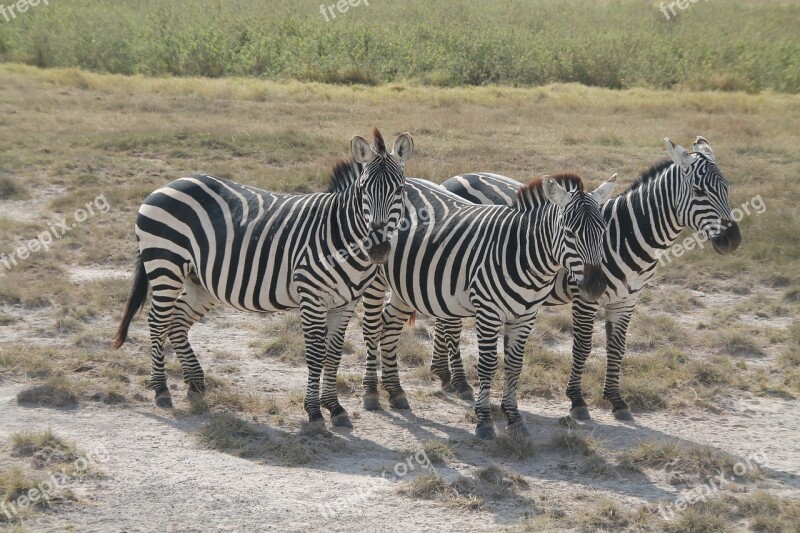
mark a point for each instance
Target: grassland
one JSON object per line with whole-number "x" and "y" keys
{"x": 709, "y": 330}
{"x": 730, "y": 45}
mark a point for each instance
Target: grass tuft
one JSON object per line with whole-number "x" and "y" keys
{"x": 57, "y": 391}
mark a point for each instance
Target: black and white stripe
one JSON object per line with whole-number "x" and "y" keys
{"x": 204, "y": 240}
{"x": 686, "y": 191}
{"x": 454, "y": 259}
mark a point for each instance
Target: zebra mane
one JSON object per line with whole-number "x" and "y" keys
{"x": 379, "y": 145}
{"x": 650, "y": 174}
{"x": 345, "y": 173}
{"x": 531, "y": 195}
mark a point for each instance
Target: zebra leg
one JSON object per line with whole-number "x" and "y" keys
{"x": 372, "y": 326}
{"x": 583, "y": 316}
{"x": 159, "y": 320}
{"x": 314, "y": 321}
{"x": 459, "y": 376}
{"x": 337, "y": 324}
{"x": 617, "y": 318}
{"x": 191, "y": 306}
{"x": 439, "y": 364}
{"x": 487, "y": 328}
{"x": 516, "y": 335}
{"x": 395, "y": 315}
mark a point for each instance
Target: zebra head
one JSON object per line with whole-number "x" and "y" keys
{"x": 580, "y": 232}
{"x": 703, "y": 196}
{"x": 381, "y": 189}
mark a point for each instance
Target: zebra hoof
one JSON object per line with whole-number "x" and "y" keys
{"x": 195, "y": 395}
{"x": 399, "y": 401}
{"x": 341, "y": 420}
{"x": 580, "y": 413}
{"x": 465, "y": 392}
{"x": 624, "y": 415}
{"x": 448, "y": 387}
{"x": 485, "y": 431}
{"x": 518, "y": 430}
{"x": 371, "y": 401}
{"x": 164, "y": 400}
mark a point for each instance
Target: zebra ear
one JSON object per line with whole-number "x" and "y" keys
{"x": 701, "y": 145}
{"x": 403, "y": 147}
{"x": 555, "y": 192}
{"x": 678, "y": 154}
{"x": 605, "y": 190}
{"x": 361, "y": 150}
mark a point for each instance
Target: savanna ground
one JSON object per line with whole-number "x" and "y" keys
{"x": 712, "y": 374}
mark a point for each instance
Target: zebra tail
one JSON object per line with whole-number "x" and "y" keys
{"x": 412, "y": 319}
{"x": 135, "y": 301}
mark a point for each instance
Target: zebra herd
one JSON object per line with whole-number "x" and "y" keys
{"x": 479, "y": 245}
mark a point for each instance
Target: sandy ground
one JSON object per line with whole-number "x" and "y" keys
{"x": 158, "y": 477}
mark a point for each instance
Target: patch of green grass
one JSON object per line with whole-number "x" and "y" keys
{"x": 295, "y": 41}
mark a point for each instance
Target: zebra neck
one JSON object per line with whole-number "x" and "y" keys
{"x": 540, "y": 242}
{"x": 648, "y": 218}
{"x": 349, "y": 225}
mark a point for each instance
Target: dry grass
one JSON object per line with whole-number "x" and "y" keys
{"x": 286, "y": 340}
{"x": 687, "y": 463}
{"x": 12, "y": 189}
{"x": 227, "y": 432}
{"x": 45, "y": 447}
{"x": 512, "y": 445}
{"x": 438, "y": 451}
{"x": 413, "y": 348}
{"x": 127, "y": 136}
{"x": 460, "y": 494}
{"x": 57, "y": 391}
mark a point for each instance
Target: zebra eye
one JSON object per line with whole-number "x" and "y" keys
{"x": 700, "y": 192}
{"x": 569, "y": 233}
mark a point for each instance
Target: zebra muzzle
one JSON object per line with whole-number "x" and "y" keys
{"x": 728, "y": 240}
{"x": 379, "y": 253}
{"x": 593, "y": 284}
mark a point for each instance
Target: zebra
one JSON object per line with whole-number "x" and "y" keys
{"x": 491, "y": 262}
{"x": 686, "y": 190}
{"x": 204, "y": 240}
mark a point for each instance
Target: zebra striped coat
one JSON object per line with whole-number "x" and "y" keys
{"x": 204, "y": 240}
{"x": 454, "y": 259}
{"x": 686, "y": 191}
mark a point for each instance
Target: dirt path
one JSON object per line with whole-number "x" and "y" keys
{"x": 160, "y": 479}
